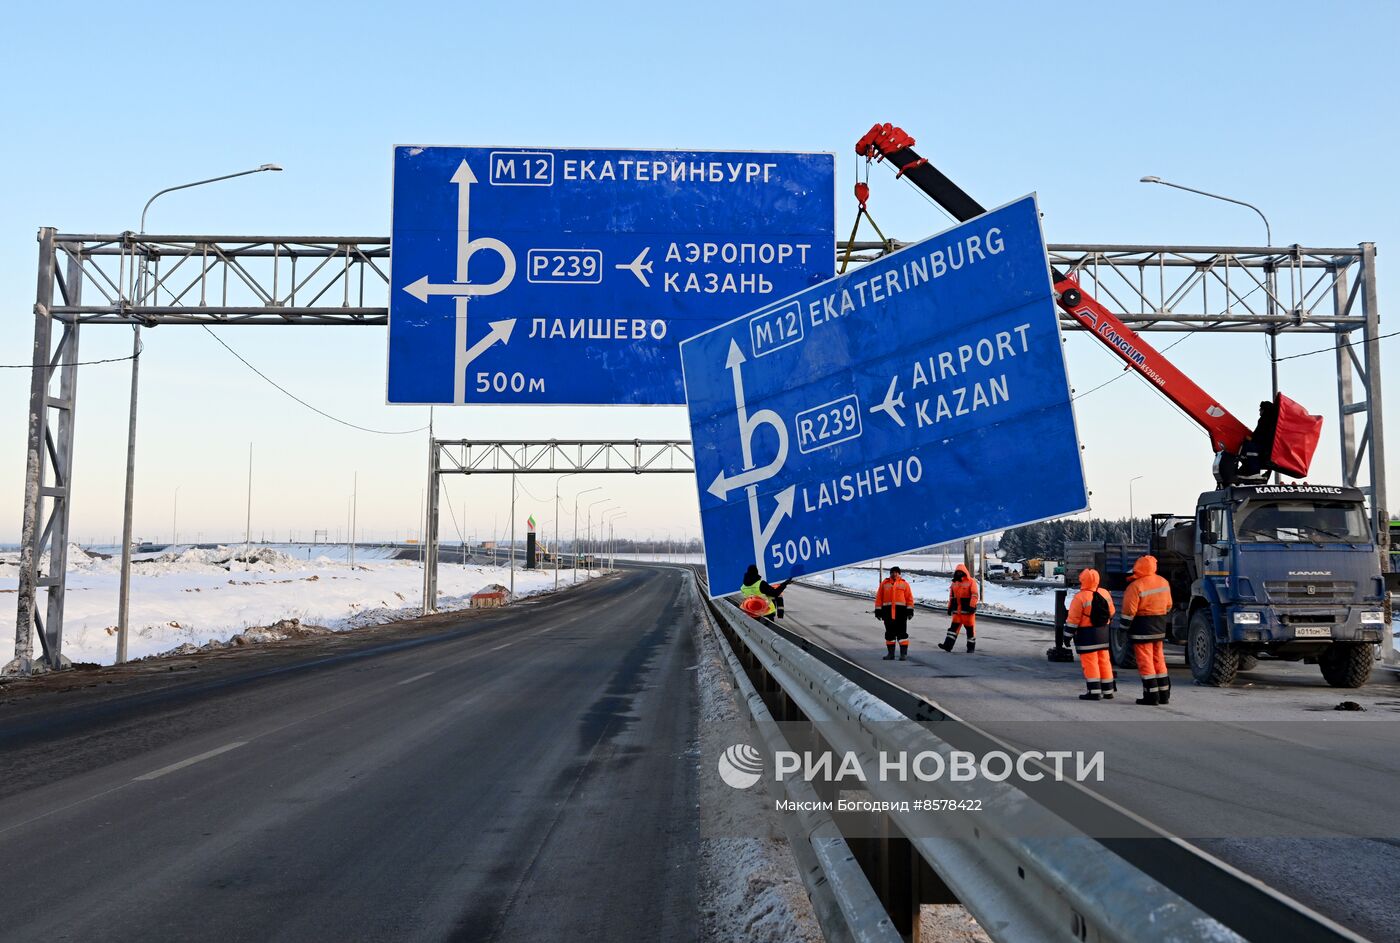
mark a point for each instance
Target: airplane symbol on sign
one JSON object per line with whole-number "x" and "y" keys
{"x": 891, "y": 401}
{"x": 637, "y": 267}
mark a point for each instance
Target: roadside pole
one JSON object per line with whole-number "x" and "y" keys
{"x": 124, "y": 592}
{"x": 354, "y": 512}
{"x": 511, "y": 550}
{"x": 557, "y": 482}
{"x": 248, "y": 523}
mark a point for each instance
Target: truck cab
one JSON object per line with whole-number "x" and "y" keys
{"x": 1288, "y": 570}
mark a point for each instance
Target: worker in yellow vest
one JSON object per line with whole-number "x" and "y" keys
{"x": 758, "y": 589}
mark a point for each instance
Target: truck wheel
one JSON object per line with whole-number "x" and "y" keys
{"x": 1120, "y": 647}
{"x": 1248, "y": 662}
{"x": 1347, "y": 666}
{"x": 1212, "y": 662}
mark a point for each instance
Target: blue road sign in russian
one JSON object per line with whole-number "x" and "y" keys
{"x": 919, "y": 399}
{"x": 556, "y": 275}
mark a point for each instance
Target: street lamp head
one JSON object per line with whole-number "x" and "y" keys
{"x": 270, "y": 167}
{"x": 1150, "y": 180}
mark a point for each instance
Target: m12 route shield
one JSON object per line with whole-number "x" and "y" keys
{"x": 920, "y": 399}
{"x": 557, "y": 275}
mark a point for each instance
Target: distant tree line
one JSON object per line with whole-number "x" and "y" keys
{"x": 1047, "y": 539}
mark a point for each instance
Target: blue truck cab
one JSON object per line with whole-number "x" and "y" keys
{"x": 1288, "y": 571}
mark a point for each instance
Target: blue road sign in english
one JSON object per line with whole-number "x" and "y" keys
{"x": 920, "y": 399}
{"x": 559, "y": 275}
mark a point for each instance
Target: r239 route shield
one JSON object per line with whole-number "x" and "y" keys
{"x": 920, "y": 399}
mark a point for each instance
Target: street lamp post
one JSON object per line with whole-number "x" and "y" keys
{"x": 607, "y": 518}
{"x": 588, "y": 537}
{"x": 1132, "y": 518}
{"x": 124, "y": 589}
{"x": 557, "y": 482}
{"x": 576, "y": 497}
{"x": 1268, "y": 231}
{"x": 1268, "y": 270}
{"x": 610, "y": 552}
{"x": 199, "y": 183}
{"x": 175, "y": 520}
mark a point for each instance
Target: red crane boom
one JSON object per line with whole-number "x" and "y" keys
{"x": 1284, "y": 438}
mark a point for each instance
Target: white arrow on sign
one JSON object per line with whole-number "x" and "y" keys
{"x": 464, "y": 178}
{"x": 500, "y": 331}
{"x": 723, "y": 484}
{"x": 732, "y": 363}
{"x": 423, "y": 288}
{"x": 637, "y": 267}
{"x": 787, "y": 500}
{"x": 462, "y": 289}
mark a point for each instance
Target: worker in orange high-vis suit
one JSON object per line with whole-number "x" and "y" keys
{"x": 962, "y": 606}
{"x": 1090, "y": 613}
{"x": 1146, "y": 602}
{"x": 894, "y": 604}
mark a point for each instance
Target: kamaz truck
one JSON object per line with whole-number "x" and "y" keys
{"x": 1286, "y": 571}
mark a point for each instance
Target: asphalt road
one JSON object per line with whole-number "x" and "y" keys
{"x": 515, "y": 775}
{"x": 1264, "y": 774}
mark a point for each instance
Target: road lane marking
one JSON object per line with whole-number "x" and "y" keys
{"x": 154, "y": 774}
{"x": 417, "y": 677}
{"x": 158, "y": 773}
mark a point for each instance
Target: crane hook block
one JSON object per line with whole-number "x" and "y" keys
{"x": 862, "y": 194}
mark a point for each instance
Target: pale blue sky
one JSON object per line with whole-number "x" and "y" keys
{"x": 1289, "y": 105}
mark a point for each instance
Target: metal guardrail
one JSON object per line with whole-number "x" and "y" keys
{"x": 846, "y": 906}
{"x": 1143, "y": 884}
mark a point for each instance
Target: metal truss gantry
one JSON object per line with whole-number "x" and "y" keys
{"x": 212, "y": 280}
{"x": 541, "y": 457}
{"x": 1276, "y": 290}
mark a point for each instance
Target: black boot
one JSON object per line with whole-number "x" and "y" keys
{"x": 1164, "y": 690}
{"x": 1149, "y": 694}
{"x": 903, "y": 652}
{"x": 889, "y": 653}
{"x": 947, "y": 644}
{"x": 1110, "y": 688}
{"x": 1093, "y": 694}
{"x": 971, "y": 645}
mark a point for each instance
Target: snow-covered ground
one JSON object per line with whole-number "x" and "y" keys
{"x": 1024, "y": 600}
{"x": 195, "y": 596}
{"x": 663, "y": 557}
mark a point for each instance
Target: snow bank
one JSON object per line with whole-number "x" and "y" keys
{"x": 195, "y": 597}
{"x": 933, "y": 590}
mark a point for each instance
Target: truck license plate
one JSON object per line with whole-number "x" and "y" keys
{"x": 1312, "y": 631}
